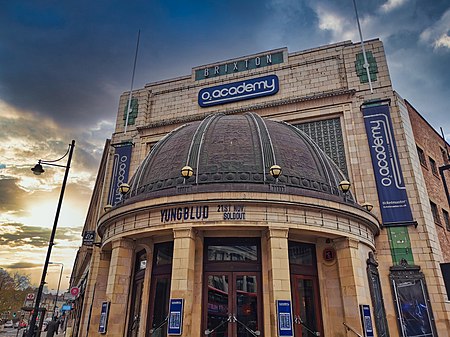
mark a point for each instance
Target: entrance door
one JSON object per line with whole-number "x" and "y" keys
{"x": 233, "y": 305}
{"x": 306, "y": 308}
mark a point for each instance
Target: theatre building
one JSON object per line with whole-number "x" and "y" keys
{"x": 275, "y": 194}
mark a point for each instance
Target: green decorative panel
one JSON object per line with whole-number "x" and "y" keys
{"x": 327, "y": 134}
{"x": 133, "y": 112}
{"x": 400, "y": 244}
{"x": 361, "y": 71}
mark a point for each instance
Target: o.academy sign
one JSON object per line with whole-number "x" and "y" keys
{"x": 238, "y": 91}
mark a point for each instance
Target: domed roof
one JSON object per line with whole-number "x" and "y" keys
{"x": 235, "y": 153}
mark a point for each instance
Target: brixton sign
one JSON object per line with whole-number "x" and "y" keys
{"x": 238, "y": 91}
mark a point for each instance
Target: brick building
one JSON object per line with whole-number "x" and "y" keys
{"x": 237, "y": 221}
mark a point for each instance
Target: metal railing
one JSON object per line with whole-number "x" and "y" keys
{"x": 349, "y": 328}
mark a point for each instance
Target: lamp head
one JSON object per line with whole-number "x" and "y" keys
{"x": 124, "y": 188}
{"x": 275, "y": 171}
{"x": 107, "y": 207}
{"x": 187, "y": 171}
{"x": 37, "y": 169}
{"x": 344, "y": 186}
{"x": 367, "y": 206}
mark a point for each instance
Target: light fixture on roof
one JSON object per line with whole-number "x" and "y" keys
{"x": 275, "y": 171}
{"x": 344, "y": 186}
{"x": 367, "y": 206}
{"x": 187, "y": 172}
{"x": 124, "y": 188}
{"x": 107, "y": 207}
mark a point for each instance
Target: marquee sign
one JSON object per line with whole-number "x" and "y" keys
{"x": 395, "y": 209}
{"x": 238, "y": 91}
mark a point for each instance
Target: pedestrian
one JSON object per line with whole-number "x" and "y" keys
{"x": 52, "y": 327}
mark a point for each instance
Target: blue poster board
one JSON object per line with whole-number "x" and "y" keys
{"x": 366, "y": 320}
{"x": 175, "y": 325}
{"x": 104, "y": 317}
{"x": 284, "y": 314}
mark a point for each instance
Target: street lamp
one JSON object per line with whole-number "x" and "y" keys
{"x": 38, "y": 170}
{"x": 59, "y": 283}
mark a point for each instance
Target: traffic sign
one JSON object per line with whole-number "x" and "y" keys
{"x": 74, "y": 291}
{"x": 30, "y": 297}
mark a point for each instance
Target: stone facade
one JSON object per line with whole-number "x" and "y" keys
{"x": 314, "y": 85}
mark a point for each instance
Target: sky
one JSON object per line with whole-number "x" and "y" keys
{"x": 64, "y": 64}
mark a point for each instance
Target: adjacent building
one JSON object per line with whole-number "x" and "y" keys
{"x": 275, "y": 194}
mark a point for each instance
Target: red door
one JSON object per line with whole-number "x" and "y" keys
{"x": 306, "y": 308}
{"x": 232, "y": 304}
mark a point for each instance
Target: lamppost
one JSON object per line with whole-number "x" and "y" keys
{"x": 38, "y": 170}
{"x": 59, "y": 283}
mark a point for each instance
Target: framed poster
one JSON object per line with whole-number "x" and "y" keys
{"x": 284, "y": 314}
{"x": 102, "y": 326}
{"x": 366, "y": 320}
{"x": 175, "y": 325}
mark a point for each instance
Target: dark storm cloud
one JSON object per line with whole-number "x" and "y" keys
{"x": 11, "y": 197}
{"x": 19, "y": 235}
{"x": 22, "y": 265}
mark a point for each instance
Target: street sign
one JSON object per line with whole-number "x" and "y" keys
{"x": 88, "y": 238}
{"x": 74, "y": 291}
{"x": 30, "y": 297}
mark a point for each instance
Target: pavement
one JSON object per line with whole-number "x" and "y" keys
{"x": 18, "y": 333}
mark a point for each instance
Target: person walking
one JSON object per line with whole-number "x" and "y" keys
{"x": 52, "y": 327}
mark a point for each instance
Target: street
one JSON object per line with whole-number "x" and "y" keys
{"x": 11, "y": 332}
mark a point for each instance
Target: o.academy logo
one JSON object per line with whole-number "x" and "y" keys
{"x": 238, "y": 91}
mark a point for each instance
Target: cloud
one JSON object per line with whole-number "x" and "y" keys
{"x": 437, "y": 35}
{"x": 22, "y": 265}
{"x": 391, "y": 5}
{"x": 20, "y": 235}
{"x": 12, "y": 197}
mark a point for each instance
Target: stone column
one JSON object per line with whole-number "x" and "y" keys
{"x": 278, "y": 277}
{"x": 98, "y": 279}
{"x": 183, "y": 266}
{"x": 352, "y": 272}
{"x": 118, "y": 287}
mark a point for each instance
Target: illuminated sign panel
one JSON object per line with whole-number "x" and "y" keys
{"x": 238, "y": 91}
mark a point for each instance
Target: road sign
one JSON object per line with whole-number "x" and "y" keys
{"x": 74, "y": 291}
{"x": 30, "y": 297}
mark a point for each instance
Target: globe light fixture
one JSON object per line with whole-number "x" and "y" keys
{"x": 367, "y": 206}
{"x": 124, "y": 188}
{"x": 275, "y": 171}
{"x": 107, "y": 207}
{"x": 187, "y": 172}
{"x": 344, "y": 186}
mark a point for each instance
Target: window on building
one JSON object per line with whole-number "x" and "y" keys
{"x": 422, "y": 158}
{"x": 435, "y": 212}
{"x": 433, "y": 166}
{"x": 445, "y": 156}
{"x": 446, "y": 219}
{"x": 327, "y": 134}
{"x": 445, "y": 268}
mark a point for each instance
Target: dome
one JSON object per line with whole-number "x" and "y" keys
{"x": 235, "y": 153}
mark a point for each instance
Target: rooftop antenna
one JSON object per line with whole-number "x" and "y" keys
{"x": 366, "y": 64}
{"x": 132, "y": 81}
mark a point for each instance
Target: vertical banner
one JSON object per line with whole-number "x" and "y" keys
{"x": 104, "y": 317}
{"x": 175, "y": 325}
{"x": 395, "y": 209}
{"x": 366, "y": 320}
{"x": 284, "y": 314}
{"x": 121, "y": 168}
